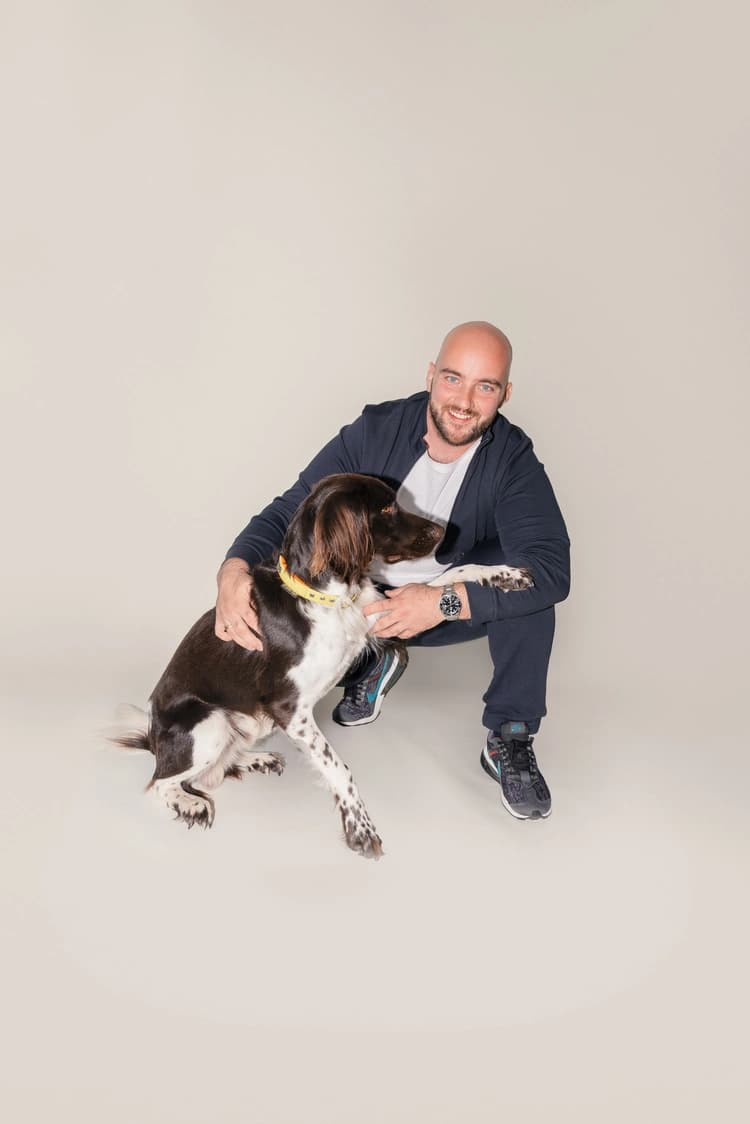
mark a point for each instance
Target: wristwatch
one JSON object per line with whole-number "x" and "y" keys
{"x": 450, "y": 604}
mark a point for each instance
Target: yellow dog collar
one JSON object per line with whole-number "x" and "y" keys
{"x": 299, "y": 588}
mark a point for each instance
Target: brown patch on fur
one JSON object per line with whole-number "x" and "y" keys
{"x": 508, "y": 582}
{"x": 342, "y": 542}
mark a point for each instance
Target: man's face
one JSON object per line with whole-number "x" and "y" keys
{"x": 467, "y": 386}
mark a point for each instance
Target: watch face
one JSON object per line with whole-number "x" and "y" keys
{"x": 450, "y": 604}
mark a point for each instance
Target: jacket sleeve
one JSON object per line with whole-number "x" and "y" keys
{"x": 532, "y": 533}
{"x": 265, "y": 532}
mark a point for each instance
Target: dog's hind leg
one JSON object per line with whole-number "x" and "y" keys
{"x": 359, "y": 830}
{"x": 259, "y": 761}
{"x": 189, "y": 804}
{"x": 189, "y": 761}
{"x": 246, "y": 756}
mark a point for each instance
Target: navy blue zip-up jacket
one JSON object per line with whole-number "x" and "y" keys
{"x": 505, "y": 500}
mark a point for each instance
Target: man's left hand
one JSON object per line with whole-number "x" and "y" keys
{"x": 410, "y": 609}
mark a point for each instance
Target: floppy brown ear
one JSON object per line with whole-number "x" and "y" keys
{"x": 342, "y": 542}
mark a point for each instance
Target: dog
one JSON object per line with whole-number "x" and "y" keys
{"x": 216, "y": 701}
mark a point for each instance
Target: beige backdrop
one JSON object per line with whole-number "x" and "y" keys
{"x": 226, "y": 226}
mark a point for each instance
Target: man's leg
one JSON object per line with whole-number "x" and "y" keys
{"x": 514, "y": 702}
{"x": 520, "y": 649}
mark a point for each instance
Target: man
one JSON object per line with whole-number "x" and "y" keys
{"x": 453, "y": 458}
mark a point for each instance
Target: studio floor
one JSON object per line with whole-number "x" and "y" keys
{"x": 226, "y": 227}
{"x": 589, "y": 967}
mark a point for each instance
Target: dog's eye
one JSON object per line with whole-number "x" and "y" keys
{"x": 390, "y": 510}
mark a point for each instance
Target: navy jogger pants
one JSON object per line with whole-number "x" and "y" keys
{"x": 520, "y": 649}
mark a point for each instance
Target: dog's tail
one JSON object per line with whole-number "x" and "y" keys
{"x": 133, "y": 730}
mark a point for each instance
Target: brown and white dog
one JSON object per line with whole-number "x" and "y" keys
{"x": 216, "y": 700}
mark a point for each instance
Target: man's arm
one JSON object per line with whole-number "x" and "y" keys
{"x": 533, "y": 534}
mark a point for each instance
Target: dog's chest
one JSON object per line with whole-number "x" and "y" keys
{"x": 336, "y": 638}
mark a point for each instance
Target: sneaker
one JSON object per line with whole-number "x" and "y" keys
{"x": 362, "y": 701}
{"x": 509, "y": 759}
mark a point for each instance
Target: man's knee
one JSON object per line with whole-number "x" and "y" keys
{"x": 531, "y": 634}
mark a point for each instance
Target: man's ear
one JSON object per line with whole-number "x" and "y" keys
{"x": 508, "y": 392}
{"x": 430, "y": 375}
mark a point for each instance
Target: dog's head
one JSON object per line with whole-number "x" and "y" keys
{"x": 345, "y": 521}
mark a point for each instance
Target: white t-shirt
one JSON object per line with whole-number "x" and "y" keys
{"x": 430, "y": 490}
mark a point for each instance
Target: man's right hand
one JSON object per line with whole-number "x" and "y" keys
{"x": 235, "y": 614}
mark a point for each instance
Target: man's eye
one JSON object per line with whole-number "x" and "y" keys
{"x": 451, "y": 378}
{"x": 486, "y": 387}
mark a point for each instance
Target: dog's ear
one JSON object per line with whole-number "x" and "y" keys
{"x": 342, "y": 541}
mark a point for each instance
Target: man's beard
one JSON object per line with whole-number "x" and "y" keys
{"x": 471, "y": 434}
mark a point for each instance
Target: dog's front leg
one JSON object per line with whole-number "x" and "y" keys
{"x": 359, "y": 830}
{"x": 506, "y": 578}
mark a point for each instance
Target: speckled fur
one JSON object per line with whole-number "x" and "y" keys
{"x": 216, "y": 701}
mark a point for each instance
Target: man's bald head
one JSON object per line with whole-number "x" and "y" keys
{"x": 468, "y": 384}
{"x": 478, "y": 337}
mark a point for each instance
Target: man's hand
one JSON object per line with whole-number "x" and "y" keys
{"x": 411, "y": 609}
{"x": 235, "y": 614}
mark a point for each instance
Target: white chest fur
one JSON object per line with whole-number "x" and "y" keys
{"x": 337, "y": 637}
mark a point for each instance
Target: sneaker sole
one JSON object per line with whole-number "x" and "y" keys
{"x": 391, "y": 679}
{"x": 517, "y": 815}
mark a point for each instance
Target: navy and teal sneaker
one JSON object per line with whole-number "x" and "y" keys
{"x": 509, "y": 759}
{"x": 362, "y": 700}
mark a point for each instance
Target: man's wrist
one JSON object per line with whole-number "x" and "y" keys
{"x": 232, "y": 564}
{"x": 460, "y": 591}
{"x": 463, "y": 597}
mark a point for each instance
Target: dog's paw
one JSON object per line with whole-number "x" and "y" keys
{"x": 506, "y": 578}
{"x": 191, "y": 808}
{"x": 359, "y": 831}
{"x": 511, "y": 577}
{"x": 264, "y": 763}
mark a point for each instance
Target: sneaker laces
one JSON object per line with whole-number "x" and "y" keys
{"x": 523, "y": 759}
{"x": 516, "y": 757}
{"x": 358, "y": 693}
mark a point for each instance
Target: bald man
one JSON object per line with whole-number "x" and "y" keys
{"x": 454, "y": 458}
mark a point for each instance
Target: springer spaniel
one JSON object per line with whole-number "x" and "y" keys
{"x": 216, "y": 700}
